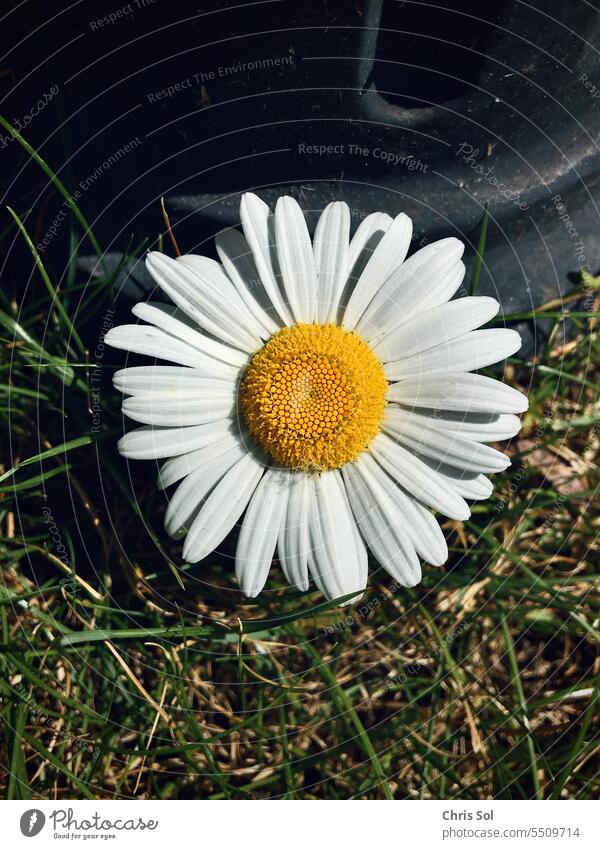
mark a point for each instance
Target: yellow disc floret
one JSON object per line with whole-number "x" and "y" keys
{"x": 314, "y": 396}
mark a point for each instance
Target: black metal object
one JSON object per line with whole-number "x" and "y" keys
{"x": 435, "y": 108}
{"x": 440, "y": 109}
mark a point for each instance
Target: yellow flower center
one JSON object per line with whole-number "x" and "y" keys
{"x": 314, "y": 396}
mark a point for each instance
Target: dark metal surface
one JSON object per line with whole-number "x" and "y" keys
{"x": 433, "y": 108}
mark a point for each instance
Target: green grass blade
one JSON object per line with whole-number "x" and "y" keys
{"x": 55, "y": 301}
{"x": 64, "y": 448}
{"x": 18, "y": 781}
{"x": 59, "y": 185}
{"x": 346, "y": 706}
{"x": 476, "y": 272}
{"x": 522, "y": 703}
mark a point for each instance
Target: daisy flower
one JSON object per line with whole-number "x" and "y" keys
{"x": 323, "y": 391}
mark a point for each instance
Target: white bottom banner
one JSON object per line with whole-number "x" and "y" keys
{"x": 193, "y": 823}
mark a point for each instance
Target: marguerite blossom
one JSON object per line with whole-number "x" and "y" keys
{"x": 323, "y": 396}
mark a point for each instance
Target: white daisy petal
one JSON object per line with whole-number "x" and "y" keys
{"x": 337, "y": 557}
{"x": 369, "y": 233}
{"x": 440, "y": 444}
{"x": 474, "y": 350}
{"x": 258, "y": 225}
{"x": 176, "y": 468}
{"x": 238, "y": 262}
{"x": 293, "y": 543}
{"x": 446, "y": 285}
{"x": 362, "y": 246}
{"x": 456, "y": 391}
{"x": 153, "y": 443}
{"x": 331, "y": 258}
{"x": 418, "y": 478}
{"x": 187, "y": 499}
{"x": 388, "y": 255}
{"x": 480, "y": 427}
{"x": 212, "y": 276}
{"x": 176, "y": 323}
{"x": 376, "y": 513}
{"x": 181, "y": 409}
{"x": 202, "y": 294}
{"x": 419, "y": 522}
{"x": 469, "y": 485}
{"x": 363, "y": 562}
{"x": 155, "y": 343}
{"x": 416, "y": 285}
{"x": 296, "y": 259}
{"x": 435, "y": 326}
{"x": 475, "y": 489}
{"x": 214, "y": 279}
{"x": 260, "y": 529}
{"x": 168, "y": 379}
{"x": 439, "y": 290}
{"x": 223, "y": 508}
